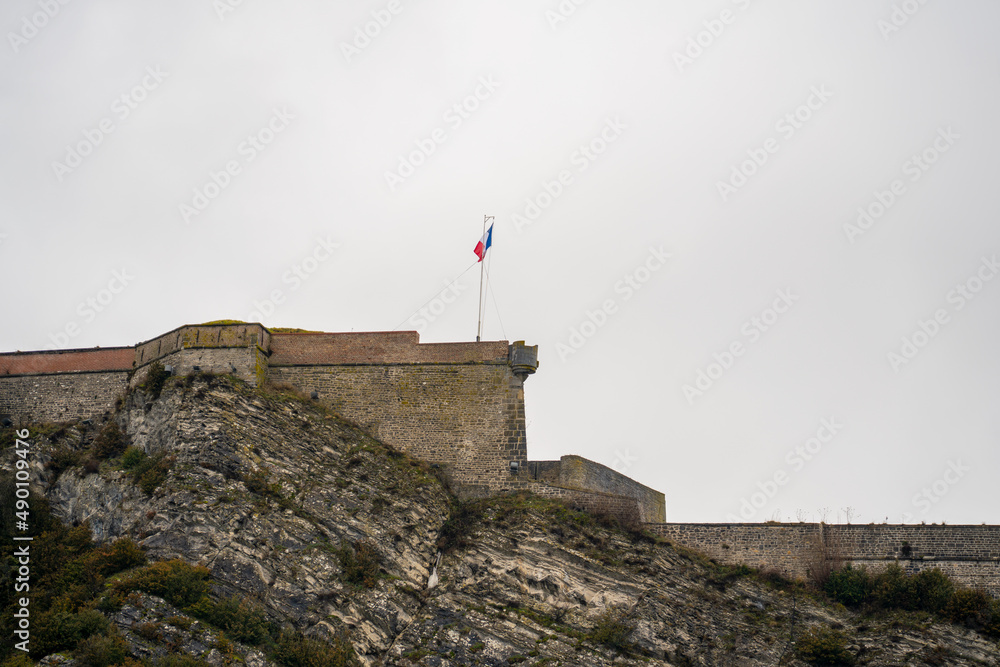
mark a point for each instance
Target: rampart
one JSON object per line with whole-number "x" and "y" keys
{"x": 969, "y": 554}
{"x": 63, "y": 385}
{"x": 239, "y": 350}
{"x": 456, "y": 405}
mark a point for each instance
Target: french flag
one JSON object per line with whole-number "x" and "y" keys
{"x": 484, "y": 244}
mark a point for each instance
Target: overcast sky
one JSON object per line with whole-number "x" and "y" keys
{"x": 755, "y": 242}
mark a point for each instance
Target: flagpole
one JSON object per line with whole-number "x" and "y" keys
{"x": 482, "y": 266}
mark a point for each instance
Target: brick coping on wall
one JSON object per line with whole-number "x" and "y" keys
{"x": 75, "y": 360}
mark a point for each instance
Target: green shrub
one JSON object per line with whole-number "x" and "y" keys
{"x": 932, "y": 589}
{"x": 175, "y": 581}
{"x": 242, "y": 619}
{"x": 360, "y": 563}
{"x": 133, "y": 456}
{"x": 58, "y": 630}
{"x": 155, "y": 379}
{"x": 183, "y": 660}
{"x": 892, "y": 589}
{"x": 101, "y": 651}
{"x": 849, "y": 586}
{"x": 823, "y": 646}
{"x": 148, "y": 472}
{"x": 294, "y": 650}
{"x": 19, "y": 659}
{"x": 110, "y": 442}
{"x": 612, "y": 629}
{"x": 64, "y": 457}
{"x": 970, "y": 607}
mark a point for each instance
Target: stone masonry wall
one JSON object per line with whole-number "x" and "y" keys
{"x": 969, "y": 554}
{"x": 576, "y": 472}
{"x": 468, "y": 418}
{"x": 247, "y": 363}
{"x": 62, "y": 385}
{"x": 208, "y": 336}
{"x": 383, "y": 347}
{"x": 60, "y": 397}
{"x": 579, "y": 473}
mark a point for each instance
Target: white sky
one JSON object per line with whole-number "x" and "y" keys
{"x": 198, "y": 81}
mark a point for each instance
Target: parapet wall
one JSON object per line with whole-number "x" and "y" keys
{"x": 384, "y": 347}
{"x": 576, "y": 472}
{"x": 237, "y": 349}
{"x": 968, "y": 554}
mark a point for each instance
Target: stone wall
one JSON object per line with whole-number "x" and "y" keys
{"x": 59, "y": 397}
{"x": 247, "y": 363}
{"x": 382, "y": 347}
{"x": 576, "y": 472}
{"x": 969, "y": 554}
{"x": 62, "y": 385}
{"x": 467, "y": 418}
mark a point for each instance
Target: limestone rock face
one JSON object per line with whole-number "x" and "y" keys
{"x": 264, "y": 489}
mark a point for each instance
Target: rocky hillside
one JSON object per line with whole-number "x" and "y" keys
{"x": 311, "y": 525}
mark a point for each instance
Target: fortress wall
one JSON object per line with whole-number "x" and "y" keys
{"x": 58, "y": 397}
{"x": 392, "y": 347}
{"x": 625, "y": 508}
{"x": 247, "y": 363}
{"x": 62, "y": 385}
{"x": 210, "y": 336}
{"x": 468, "y": 418}
{"x": 579, "y": 473}
{"x": 969, "y": 554}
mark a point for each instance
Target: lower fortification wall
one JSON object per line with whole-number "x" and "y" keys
{"x": 467, "y": 418}
{"x": 969, "y": 554}
{"x": 576, "y": 472}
